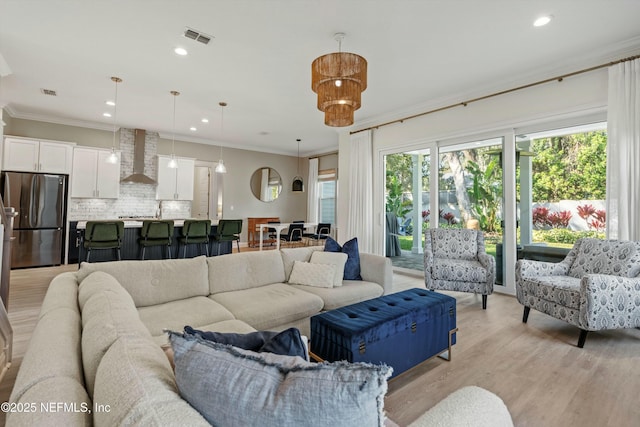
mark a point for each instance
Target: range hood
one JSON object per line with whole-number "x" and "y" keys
{"x": 138, "y": 175}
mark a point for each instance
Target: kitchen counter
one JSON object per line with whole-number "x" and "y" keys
{"x": 131, "y": 249}
{"x": 137, "y": 222}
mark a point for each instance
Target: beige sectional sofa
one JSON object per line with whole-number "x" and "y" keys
{"x": 94, "y": 357}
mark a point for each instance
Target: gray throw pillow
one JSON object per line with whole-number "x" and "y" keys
{"x": 231, "y": 387}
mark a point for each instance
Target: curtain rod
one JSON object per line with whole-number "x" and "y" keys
{"x": 317, "y": 156}
{"x": 503, "y": 92}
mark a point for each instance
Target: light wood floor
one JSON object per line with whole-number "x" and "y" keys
{"x": 536, "y": 368}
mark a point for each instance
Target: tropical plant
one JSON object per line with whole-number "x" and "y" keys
{"x": 486, "y": 194}
{"x": 540, "y": 217}
{"x": 560, "y": 219}
{"x": 395, "y": 197}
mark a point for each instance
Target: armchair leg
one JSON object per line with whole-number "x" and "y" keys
{"x": 582, "y": 338}
{"x": 525, "y": 316}
{"x": 484, "y": 302}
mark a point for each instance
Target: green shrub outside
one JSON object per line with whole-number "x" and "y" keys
{"x": 564, "y": 235}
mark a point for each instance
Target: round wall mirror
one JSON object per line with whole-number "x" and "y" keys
{"x": 266, "y": 184}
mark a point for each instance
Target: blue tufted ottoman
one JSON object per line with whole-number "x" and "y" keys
{"x": 401, "y": 330}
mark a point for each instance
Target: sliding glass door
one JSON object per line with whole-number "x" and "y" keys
{"x": 470, "y": 180}
{"x": 407, "y": 201}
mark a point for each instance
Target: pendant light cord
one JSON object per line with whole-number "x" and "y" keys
{"x": 116, "y": 80}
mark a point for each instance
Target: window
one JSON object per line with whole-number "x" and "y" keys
{"x": 327, "y": 196}
{"x": 562, "y": 185}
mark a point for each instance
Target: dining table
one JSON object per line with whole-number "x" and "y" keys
{"x": 279, "y": 227}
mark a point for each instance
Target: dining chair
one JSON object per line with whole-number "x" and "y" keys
{"x": 156, "y": 232}
{"x": 323, "y": 230}
{"x": 102, "y": 235}
{"x": 228, "y": 231}
{"x": 294, "y": 234}
{"x": 195, "y": 232}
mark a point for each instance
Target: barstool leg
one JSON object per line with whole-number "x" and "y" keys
{"x": 143, "y": 248}
{"x": 88, "y": 254}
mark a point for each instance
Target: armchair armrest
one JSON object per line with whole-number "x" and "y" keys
{"x": 488, "y": 262}
{"x": 609, "y": 302}
{"x": 428, "y": 262}
{"x": 377, "y": 269}
{"x": 531, "y": 268}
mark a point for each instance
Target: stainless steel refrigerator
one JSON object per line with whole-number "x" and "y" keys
{"x": 40, "y": 200}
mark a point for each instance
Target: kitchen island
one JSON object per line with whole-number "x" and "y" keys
{"x": 131, "y": 249}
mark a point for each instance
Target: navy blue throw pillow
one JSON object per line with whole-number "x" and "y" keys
{"x": 285, "y": 343}
{"x": 352, "y": 267}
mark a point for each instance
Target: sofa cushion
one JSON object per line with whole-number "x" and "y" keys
{"x": 63, "y": 292}
{"x": 50, "y": 392}
{"x": 351, "y": 292}
{"x": 106, "y": 316}
{"x": 458, "y": 270}
{"x": 333, "y": 258}
{"x": 54, "y": 344}
{"x": 290, "y": 255}
{"x": 352, "y": 266}
{"x": 286, "y": 343}
{"x": 156, "y": 281}
{"x": 135, "y": 379}
{"x": 97, "y": 282}
{"x": 613, "y": 257}
{"x": 174, "y": 315}
{"x": 244, "y": 271}
{"x": 563, "y": 290}
{"x": 269, "y": 306}
{"x": 310, "y": 274}
{"x": 267, "y": 390}
{"x": 454, "y": 244}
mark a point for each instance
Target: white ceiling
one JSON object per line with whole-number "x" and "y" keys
{"x": 421, "y": 54}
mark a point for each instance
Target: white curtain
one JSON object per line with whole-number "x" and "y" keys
{"x": 623, "y": 152}
{"x": 312, "y": 193}
{"x": 360, "y": 218}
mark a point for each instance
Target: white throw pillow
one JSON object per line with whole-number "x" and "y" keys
{"x": 320, "y": 275}
{"x": 338, "y": 259}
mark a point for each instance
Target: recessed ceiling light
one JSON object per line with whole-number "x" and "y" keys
{"x": 180, "y": 51}
{"x": 542, "y": 21}
{"x": 110, "y": 103}
{"x": 193, "y": 129}
{"x": 205, "y": 120}
{"x": 106, "y": 114}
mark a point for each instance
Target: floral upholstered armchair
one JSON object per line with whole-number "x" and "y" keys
{"x": 595, "y": 287}
{"x": 455, "y": 260}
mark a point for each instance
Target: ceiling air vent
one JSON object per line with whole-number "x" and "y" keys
{"x": 198, "y": 36}
{"x": 49, "y": 92}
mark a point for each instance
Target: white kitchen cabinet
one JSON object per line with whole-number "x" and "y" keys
{"x": 175, "y": 183}
{"x": 30, "y": 155}
{"x": 92, "y": 176}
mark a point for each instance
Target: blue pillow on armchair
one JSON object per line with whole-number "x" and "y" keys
{"x": 352, "y": 267}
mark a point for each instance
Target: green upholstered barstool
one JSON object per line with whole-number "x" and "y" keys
{"x": 103, "y": 235}
{"x": 195, "y": 231}
{"x": 156, "y": 232}
{"x": 228, "y": 231}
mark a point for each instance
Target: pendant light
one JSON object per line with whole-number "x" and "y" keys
{"x": 339, "y": 79}
{"x": 221, "y": 168}
{"x": 173, "y": 163}
{"x": 113, "y": 157}
{"x": 298, "y": 185}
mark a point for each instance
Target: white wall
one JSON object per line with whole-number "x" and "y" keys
{"x": 575, "y": 96}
